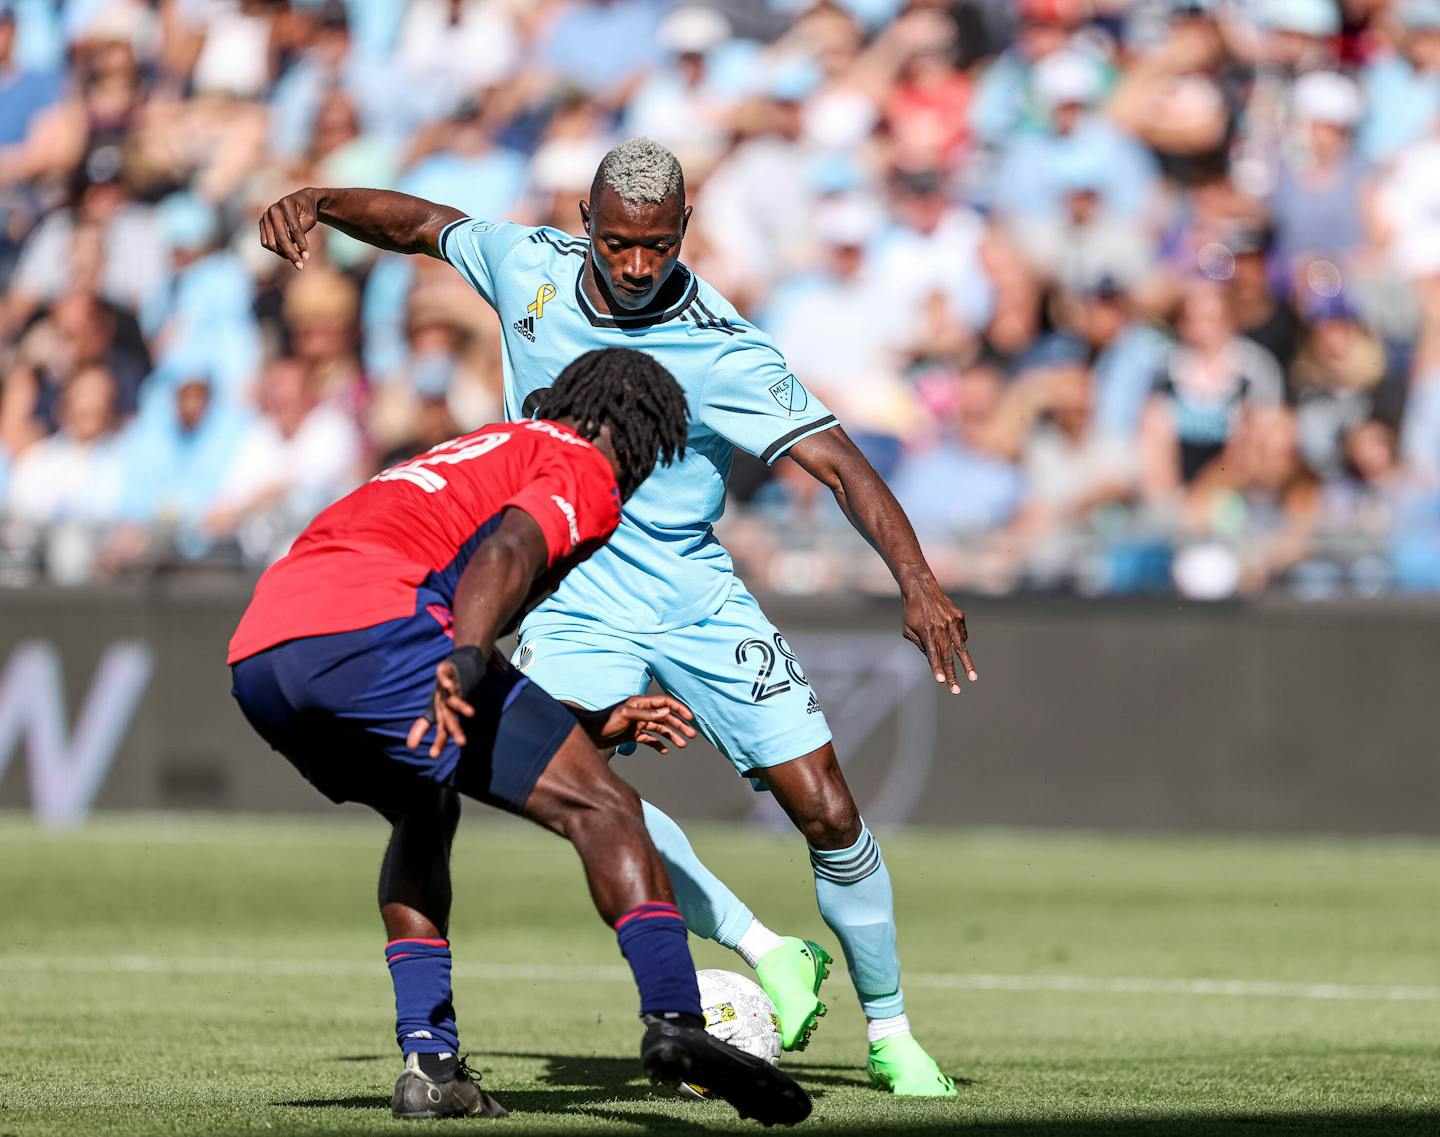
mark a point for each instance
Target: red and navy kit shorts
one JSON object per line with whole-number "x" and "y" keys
{"x": 340, "y": 706}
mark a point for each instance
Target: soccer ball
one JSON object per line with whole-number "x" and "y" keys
{"x": 737, "y": 1012}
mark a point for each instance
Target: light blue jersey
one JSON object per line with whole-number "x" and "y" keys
{"x": 663, "y": 569}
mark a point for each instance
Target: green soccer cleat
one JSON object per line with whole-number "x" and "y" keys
{"x": 901, "y": 1066}
{"x": 791, "y": 975}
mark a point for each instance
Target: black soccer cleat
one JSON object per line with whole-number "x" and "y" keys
{"x": 451, "y": 1091}
{"x": 675, "y": 1052}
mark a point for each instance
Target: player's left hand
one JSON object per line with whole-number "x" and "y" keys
{"x": 937, "y": 627}
{"x": 447, "y": 706}
{"x": 651, "y": 719}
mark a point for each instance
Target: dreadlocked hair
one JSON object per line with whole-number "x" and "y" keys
{"x": 633, "y": 395}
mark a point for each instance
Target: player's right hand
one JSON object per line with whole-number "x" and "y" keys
{"x": 283, "y": 226}
{"x": 650, "y": 719}
{"x": 446, "y": 708}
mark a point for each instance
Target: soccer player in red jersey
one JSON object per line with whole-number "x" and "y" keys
{"x": 381, "y": 622}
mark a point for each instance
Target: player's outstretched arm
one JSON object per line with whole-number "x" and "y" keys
{"x": 491, "y": 592}
{"x": 932, "y": 622}
{"x": 388, "y": 220}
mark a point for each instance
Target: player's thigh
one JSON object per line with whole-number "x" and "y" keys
{"x": 750, "y": 695}
{"x": 577, "y": 663}
{"x": 577, "y": 783}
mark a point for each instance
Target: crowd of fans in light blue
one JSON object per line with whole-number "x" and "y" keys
{"x": 1121, "y": 295}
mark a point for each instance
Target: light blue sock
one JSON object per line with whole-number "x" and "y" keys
{"x": 710, "y": 909}
{"x": 852, "y": 887}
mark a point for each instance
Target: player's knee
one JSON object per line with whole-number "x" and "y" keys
{"x": 832, "y": 821}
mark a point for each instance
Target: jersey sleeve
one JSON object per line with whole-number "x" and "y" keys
{"x": 751, "y": 399}
{"x": 476, "y": 249}
{"x": 574, "y": 504}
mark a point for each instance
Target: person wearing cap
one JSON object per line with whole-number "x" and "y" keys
{"x": 1342, "y": 377}
{"x": 680, "y": 102}
{"x": 1318, "y": 204}
{"x": 1300, "y": 34}
{"x": 854, "y": 365}
{"x": 132, "y": 256}
{"x": 1071, "y": 85}
{"x": 758, "y": 236}
{"x": 1086, "y": 239}
{"x": 1127, "y": 353}
{"x": 932, "y": 247}
{"x": 1263, "y": 309}
{"x": 209, "y": 294}
{"x": 1004, "y": 96}
{"x": 177, "y": 453}
{"x": 1402, "y": 85}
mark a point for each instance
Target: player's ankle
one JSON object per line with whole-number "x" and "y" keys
{"x": 878, "y": 1030}
{"x": 439, "y": 1067}
{"x": 756, "y": 942}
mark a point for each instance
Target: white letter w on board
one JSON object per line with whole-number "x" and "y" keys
{"x": 67, "y": 768}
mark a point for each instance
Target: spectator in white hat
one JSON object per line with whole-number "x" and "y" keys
{"x": 679, "y": 104}
{"x": 1317, "y": 204}
{"x": 1028, "y": 184}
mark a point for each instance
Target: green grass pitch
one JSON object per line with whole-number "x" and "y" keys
{"x": 215, "y": 976}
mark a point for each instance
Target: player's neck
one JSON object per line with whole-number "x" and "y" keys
{"x": 592, "y": 284}
{"x": 601, "y": 442}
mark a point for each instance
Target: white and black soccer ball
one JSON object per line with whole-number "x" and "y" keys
{"x": 737, "y": 1012}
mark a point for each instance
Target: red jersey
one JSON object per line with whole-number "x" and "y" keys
{"x": 362, "y": 561}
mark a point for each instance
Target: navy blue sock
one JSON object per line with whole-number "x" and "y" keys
{"x": 652, "y": 939}
{"x": 424, "y": 1014}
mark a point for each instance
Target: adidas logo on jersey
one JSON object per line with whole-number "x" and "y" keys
{"x": 526, "y": 327}
{"x": 813, "y": 706}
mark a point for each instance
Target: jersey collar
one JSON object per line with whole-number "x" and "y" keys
{"x": 638, "y": 320}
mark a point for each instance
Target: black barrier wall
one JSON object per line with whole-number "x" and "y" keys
{"x": 1274, "y": 717}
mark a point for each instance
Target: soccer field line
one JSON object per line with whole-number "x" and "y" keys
{"x": 574, "y": 973}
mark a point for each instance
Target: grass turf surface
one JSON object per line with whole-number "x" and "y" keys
{"x": 213, "y": 976}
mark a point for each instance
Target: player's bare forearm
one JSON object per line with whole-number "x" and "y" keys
{"x": 388, "y": 220}
{"x": 932, "y": 622}
{"x": 492, "y": 590}
{"x": 498, "y": 580}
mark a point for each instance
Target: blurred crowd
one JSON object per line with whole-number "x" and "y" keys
{"x": 1119, "y": 296}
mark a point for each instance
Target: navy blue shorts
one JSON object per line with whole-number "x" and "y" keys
{"x": 340, "y": 706}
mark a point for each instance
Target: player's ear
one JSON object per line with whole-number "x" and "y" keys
{"x": 685, "y": 219}
{"x": 585, "y": 215}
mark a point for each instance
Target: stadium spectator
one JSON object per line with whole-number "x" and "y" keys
{"x": 1402, "y": 83}
{"x": 921, "y": 202}
{"x": 177, "y": 455}
{"x": 1341, "y": 380}
{"x": 1318, "y": 206}
{"x": 1031, "y": 182}
{"x": 300, "y": 455}
{"x": 64, "y": 491}
{"x": 1211, "y": 378}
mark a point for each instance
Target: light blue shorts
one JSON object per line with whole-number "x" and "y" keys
{"x": 733, "y": 669}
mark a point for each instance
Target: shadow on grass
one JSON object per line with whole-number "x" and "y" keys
{"x": 593, "y": 1086}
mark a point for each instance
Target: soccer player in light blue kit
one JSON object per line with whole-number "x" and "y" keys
{"x": 661, "y": 601}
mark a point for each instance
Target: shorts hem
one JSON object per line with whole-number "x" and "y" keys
{"x": 794, "y": 745}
